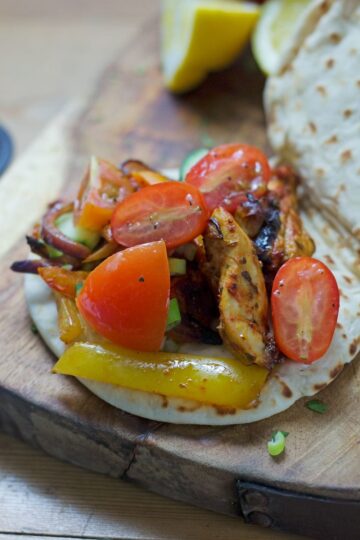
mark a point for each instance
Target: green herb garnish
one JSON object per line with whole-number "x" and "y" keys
{"x": 317, "y": 406}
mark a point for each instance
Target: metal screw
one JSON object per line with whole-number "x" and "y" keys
{"x": 255, "y": 498}
{"x": 259, "y": 518}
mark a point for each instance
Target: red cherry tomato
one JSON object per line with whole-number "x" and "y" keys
{"x": 228, "y": 172}
{"x": 102, "y": 187}
{"x": 305, "y": 306}
{"x": 171, "y": 211}
{"x": 125, "y": 298}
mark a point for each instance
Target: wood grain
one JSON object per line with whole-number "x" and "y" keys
{"x": 73, "y": 502}
{"x": 159, "y": 128}
{"x": 50, "y": 491}
{"x": 130, "y": 113}
{"x": 81, "y": 38}
{"x": 27, "y": 104}
{"x": 46, "y": 161}
{"x": 6, "y": 536}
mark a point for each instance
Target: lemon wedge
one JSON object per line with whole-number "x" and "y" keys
{"x": 200, "y": 36}
{"x": 278, "y": 22}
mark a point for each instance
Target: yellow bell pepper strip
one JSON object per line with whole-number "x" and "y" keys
{"x": 69, "y": 322}
{"x": 62, "y": 280}
{"x": 221, "y": 382}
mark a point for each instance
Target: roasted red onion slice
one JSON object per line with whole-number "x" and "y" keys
{"x": 30, "y": 266}
{"x": 39, "y": 248}
{"x": 82, "y": 190}
{"x": 134, "y": 165}
{"x": 54, "y": 237}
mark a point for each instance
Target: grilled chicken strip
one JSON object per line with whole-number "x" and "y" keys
{"x": 234, "y": 272}
{"x": 282, "y": 235}
{"x": 293, "y": 239}
{"x": 250, "y": 215}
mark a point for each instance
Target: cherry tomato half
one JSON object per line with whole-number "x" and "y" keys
{"x": 305, "y": 306}
{"x": 101, "y": 188}
{"x": 171, "y": 211}
{"x": 228, "y": 172}
{"x": 125, "y": 298}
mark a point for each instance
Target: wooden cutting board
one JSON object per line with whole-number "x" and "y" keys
{"x": 314, "y": 488}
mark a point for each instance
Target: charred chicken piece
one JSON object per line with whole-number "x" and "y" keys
{"x": 250, "y": 214}
{"x": 264, "y": 241}
{"x": 296, "y": 241}
{"x": 198, "y": 309}
{"x": 235, "y": 273}
{"x": 140, "y": 174}
{"x": 282, "y": 234}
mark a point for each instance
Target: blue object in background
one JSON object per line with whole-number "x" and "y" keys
{"x": 6, "y": 149}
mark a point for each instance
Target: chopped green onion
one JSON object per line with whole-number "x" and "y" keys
{"x": 65, "y": 224}
{"x": 177, "y": 266}
{"x": 34, "y": 329}
{"x": 78, "y": 288}
{"x": 317, "y": 406}
{"x": 53, "y": 252}
{"x": 174, "y": 317}
{"x": 276, "y": 445}
{"x": 187, "y": 250}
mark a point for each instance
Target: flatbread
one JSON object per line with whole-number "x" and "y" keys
{"x": 288, "y": 382}
{"x": 313, "y": 109}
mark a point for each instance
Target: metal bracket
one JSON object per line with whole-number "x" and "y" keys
{"x": 316, "y": 517}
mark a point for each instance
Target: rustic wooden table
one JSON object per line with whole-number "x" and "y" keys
{"x": 39, "y": 496}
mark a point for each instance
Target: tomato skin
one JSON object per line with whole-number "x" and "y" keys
{"x": 125, "y": 298}
{"x": 96, "y": 212}
{"x": 102, "y": 186}
{"x": 169, "y": 211}
{"x": 305, "y": 307}
{"x": 228, "y": 172}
